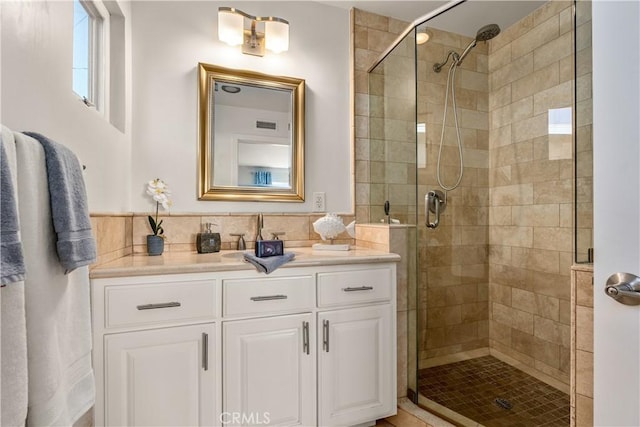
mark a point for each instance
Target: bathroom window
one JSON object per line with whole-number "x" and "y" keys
{"x": 89, "y": 51}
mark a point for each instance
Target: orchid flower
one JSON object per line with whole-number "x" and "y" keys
{"x": 160, "y": 193}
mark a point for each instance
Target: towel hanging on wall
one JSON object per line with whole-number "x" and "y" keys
{"x": 69, "y": 208}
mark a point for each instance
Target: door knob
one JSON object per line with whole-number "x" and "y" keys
{"x": 624, "y": 288}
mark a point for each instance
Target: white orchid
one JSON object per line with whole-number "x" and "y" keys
{"x": 160, "y": 193}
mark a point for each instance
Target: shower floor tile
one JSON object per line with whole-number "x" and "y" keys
{"x": 471, "y": 388}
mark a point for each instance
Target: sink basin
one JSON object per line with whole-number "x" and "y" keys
{"x": 239, "y": 255}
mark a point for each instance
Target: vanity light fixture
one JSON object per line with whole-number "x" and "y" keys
{"x": 254, "y": 33}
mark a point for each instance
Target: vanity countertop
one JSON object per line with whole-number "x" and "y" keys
{"x": 192, "y": 262}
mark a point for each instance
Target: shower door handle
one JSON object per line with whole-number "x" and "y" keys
{"x": 624, "y": 288}
{"x": 433, "y": 202}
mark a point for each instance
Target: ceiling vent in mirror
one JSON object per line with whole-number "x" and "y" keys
{"x": 265, "y": 125}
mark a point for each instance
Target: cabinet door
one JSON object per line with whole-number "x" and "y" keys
{"x": 161, "y": 377}
{"x": 356, "y": 365}
{"x": 269, "y": 371}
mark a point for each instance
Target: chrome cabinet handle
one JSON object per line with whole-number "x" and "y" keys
{"x": 305, "y": 337}
{"x": 360, "y": 288}
{"x": 325, "y": 335}
{"x": 268, "y": 297}
{"x": 624, "y": 288}
{"x": 205, "y": 351}
{"x": 160, "y": 305}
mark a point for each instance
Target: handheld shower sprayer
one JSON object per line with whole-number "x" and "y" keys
{"x": 485, "y": 33}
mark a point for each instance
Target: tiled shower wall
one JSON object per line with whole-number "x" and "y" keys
{"x": 530, "y": 73}
{"x": 453, "y": 308}
{"x": 372, "y": 34}
{"x": 495, "y": 274}
{"x": 453, "y": 292}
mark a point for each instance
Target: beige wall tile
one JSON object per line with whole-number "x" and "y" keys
{"x": 499, "y": 97}
{"x": 584, "y": 328}
{"x": 584, "y": 288}
{"x": 559, "y": 96}
{"x": 547, "y": 215}
{"x": 512, "y": 236}
{"x": 517, "y": 319}
{"x": 552, "y": 238}
{"x": 500, "y": 58}
{"x": 541, "y": 34}
{"x": 523, "y": 342}
{"x": 553, "y": 51}
{"x": 559, "y": 191}
{"x": 549, "y": 307}
{"x": 584, "y": 411}
{"x": 530, "y": 128}
{"x": 541, "y": 79}
{"x": 551, "y": 8}
{"x": 584, "y": 373}
{"x": 509, "y": 195}
{"x": 511, "y": 72}
{"x": 552, "y": 331}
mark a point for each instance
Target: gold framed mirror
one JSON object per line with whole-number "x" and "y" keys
{"x": 251, "y": 136}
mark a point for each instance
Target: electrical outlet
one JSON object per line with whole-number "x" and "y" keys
{"x": 318, "y": 202}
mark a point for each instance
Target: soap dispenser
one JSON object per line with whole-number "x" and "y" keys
{"x": 208, "y": 241}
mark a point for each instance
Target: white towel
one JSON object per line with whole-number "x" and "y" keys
{"x": 61, "y": 383}
{"x": 14, "y": 380}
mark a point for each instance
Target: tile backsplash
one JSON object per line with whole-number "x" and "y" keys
{"x": 123, "y": 234}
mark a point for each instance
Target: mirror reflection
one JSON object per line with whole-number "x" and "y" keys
{"x": 252, "y": 139}
{"x": 251, "y": 136}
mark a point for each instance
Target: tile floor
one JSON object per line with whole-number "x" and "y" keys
{"x": 471, "y": 388}
{"x": 403, "y": 419}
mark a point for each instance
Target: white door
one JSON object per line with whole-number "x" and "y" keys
{"x": 161, "y": 377}
{"x": 616, "y": 118}
{"x": 269, "y": 371}
{"x": 355, "y": 372}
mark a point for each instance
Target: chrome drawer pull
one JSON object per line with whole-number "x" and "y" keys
{"x": 325, "y": 335}
{"x": 305, "y": 337}
{"x": 361, "y": 288}
{"x": 205, "y": 351}
{"x": 268, "y": 297}
{"x": 161, "y": 305}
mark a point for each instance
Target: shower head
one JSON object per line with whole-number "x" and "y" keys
{"x": 487, "y": 32}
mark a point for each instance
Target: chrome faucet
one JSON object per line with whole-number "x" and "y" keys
{"x": 260, "y": 227}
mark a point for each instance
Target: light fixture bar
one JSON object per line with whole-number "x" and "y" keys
{"x": 270, "y": 32}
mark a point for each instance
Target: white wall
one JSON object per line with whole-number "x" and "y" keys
{"x": 171, "y": 37}
{"x": 36, "y": 60}
{"x": 616, "y": 155}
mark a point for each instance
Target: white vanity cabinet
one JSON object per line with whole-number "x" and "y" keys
{"x": 269, "y": 362}
{"x": 308, "y": 345}
{"x": 269, "y": 371}
{"x": 160, "y": 377}
{"x": 155, "y": 346}
{"x": 356, "y": 356}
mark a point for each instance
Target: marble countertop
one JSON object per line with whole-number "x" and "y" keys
{"x": 192, "y": 262}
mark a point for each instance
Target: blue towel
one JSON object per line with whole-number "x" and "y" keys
{"x": 76, "y": 246}
{"x": 11, "y": 258}
{"x": 268, "y": 265}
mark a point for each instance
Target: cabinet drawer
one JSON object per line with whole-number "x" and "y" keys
{"x": 132, "y": 305}
{"x": 263, "y": 296}
{"x": 354, "y": 287}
